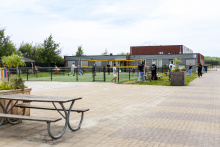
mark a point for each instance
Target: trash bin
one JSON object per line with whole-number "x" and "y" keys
{"x": 205, "y": 68}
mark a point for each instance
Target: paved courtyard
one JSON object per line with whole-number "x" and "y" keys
{"x": 128, "y": 115}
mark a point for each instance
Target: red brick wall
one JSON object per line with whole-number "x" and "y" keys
{"x": 153, "y": 50}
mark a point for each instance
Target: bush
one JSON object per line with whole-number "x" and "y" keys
{"x": 13, "y": 83}
{"x": 175, "y": 70}
{"x": 183, "y": 69}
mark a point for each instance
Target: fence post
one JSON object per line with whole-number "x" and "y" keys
{"x": 51, "y": 74}
{"x": 77, "y": 73}
{"x": 93, "y": 74}
{"x": 129, "y": 73}
{"x": 27, "y": 74}
{"x": 8, "y": 73}
{"x": 118, "y": 74}
{"x": 104, "y": 73}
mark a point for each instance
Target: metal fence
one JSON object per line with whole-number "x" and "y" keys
{"x": 212, "y": 66}
{"x": 103, "y": 74}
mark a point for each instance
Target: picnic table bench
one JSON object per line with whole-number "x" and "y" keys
{"x": 33, "y": 98}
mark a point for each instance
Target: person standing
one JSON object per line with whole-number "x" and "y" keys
{"x": 170, "y": 68}
{"x": 114, "y": 73}
{"x": 141, "y": 72}
{"x": 171, "y": 64}
{"x": 190, "y": 69}
{"x": 153, "y": 72}
{"x": 200, "y": 70}
{"x": 72, "y": 69}
{"x": 94, "y": 67}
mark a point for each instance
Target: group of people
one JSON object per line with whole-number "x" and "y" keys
{"x": 199, "y": 68}
{"x": 141, "y": 69}
{"x": 73, "y": 72}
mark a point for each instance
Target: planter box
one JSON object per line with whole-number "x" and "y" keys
{"x": 15, "y": 110}
{"x": 178, "y": 78}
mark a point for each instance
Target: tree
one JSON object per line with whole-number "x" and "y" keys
{"x": 30, "y": 51}
{"x": 212, "y": 59}
{"x": 79, "y": 51}
{"x": 105, "y": 52}
{"x": 122, "y": 53}
{"x": 13, "y": 61}
{"x": 6, "y": 46}
{"x": 26, "y": 49}
{"x": 49, "y": 51}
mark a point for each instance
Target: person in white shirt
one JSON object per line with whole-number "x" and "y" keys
{"x": 114, "y": 73}
{"x": 172, "y": 65}
{"x": 72, "y": 69}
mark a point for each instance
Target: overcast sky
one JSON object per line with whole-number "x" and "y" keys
{"x": 114, "y": 25}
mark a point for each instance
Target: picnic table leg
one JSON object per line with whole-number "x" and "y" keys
{"x": 81, "y": 120}
{"x": 66, "y": 117}
{"x": 3, "y": 109}
{"x": 6, "y": 111}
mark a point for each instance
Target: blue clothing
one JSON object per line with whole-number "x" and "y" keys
{"x": 190, "y": 72}
{"x": 139, "y": 76}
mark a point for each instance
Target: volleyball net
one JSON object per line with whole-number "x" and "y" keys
{"x": 110, "y": 63}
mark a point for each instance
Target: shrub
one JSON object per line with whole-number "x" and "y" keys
{"x": 175, "y": 70}
{"x": 14, "y": 83}
{"x": 183, "y": 69}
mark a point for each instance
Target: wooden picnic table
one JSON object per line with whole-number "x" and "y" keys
{"x": 36, "y": 98}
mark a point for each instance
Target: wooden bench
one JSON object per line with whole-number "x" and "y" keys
{"x": 33, "y": 118}
{"x": 49, "y": 108}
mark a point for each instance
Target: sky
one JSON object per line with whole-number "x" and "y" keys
{"x": 115, "y": 25}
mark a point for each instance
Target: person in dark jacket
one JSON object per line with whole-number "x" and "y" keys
{"x": 200, "y": 70}
{"x": 153, "y": 72}
{"x": 141, "y": 72}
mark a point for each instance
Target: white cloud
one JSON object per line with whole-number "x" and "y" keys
{"x": 115, "y": 25}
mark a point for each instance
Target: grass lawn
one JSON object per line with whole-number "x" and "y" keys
{"x": 164, "y": 81}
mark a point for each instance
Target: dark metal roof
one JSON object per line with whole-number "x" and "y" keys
{"x": 28, "y": 60}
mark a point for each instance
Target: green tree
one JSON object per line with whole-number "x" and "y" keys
{"x": 49, "y": 51}
{"x": 122, "y": 53}
{"x": 105, "y": 52}
{"x": 30, "y": 51}
{"x": 6, "y": 46}
{"x": 26, "y": 49}
{"x": 212, "y": 59}
{"x": 79, "y": 51}
{"x": 13, "y": 61}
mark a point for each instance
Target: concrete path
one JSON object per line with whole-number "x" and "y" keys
{"x": 129, "y": 115}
